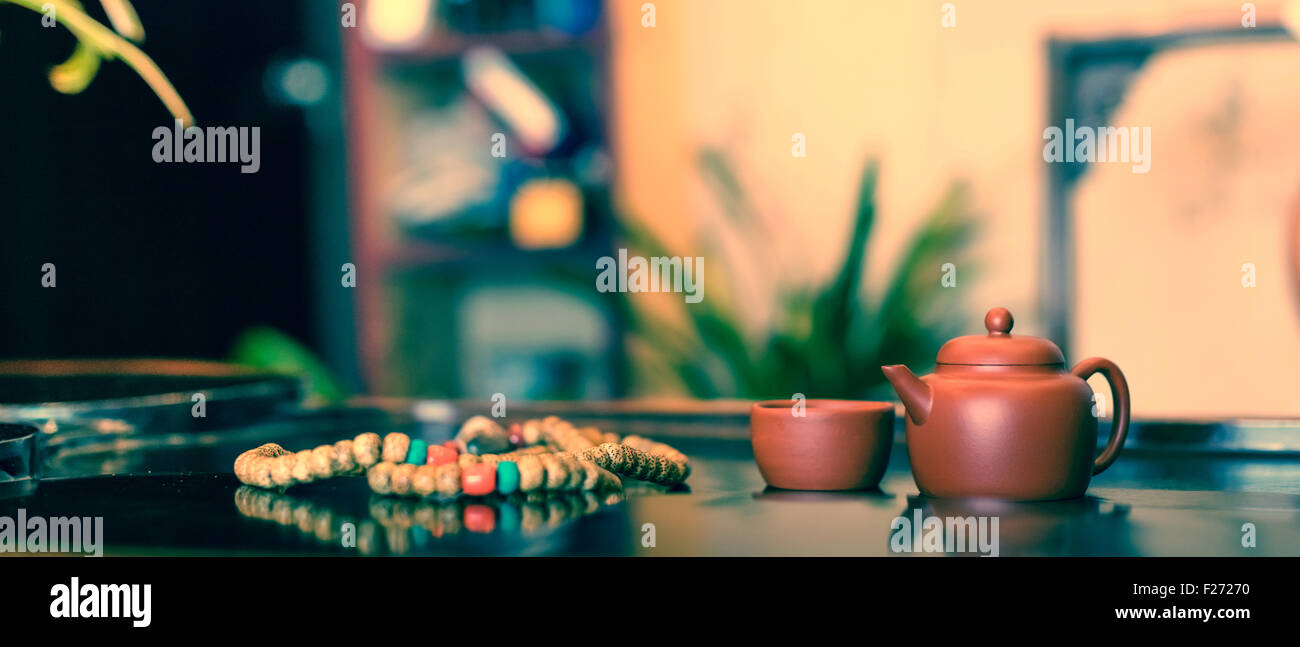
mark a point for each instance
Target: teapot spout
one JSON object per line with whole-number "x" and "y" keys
{"x": 914, "y": 393}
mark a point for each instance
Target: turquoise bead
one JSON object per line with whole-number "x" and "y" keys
{"x": 419, "y": 452}
{"x": 507, "y": 477}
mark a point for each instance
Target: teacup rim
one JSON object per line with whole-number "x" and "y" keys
{"x": 824, "y": 406}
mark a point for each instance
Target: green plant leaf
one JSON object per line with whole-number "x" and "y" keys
{"x": 824, "y": 342}
{"x": 717, "y": 172}
{"x": 73, "y": 75}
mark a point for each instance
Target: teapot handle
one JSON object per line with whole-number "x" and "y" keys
{"x": 1119, "y": 390}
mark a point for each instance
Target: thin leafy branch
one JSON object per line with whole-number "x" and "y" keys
{"x": 96, "y": 43}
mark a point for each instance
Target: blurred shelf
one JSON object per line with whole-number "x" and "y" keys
{"x": 418, "y": 255}
{"x": 451, "y": 45}
{"x": 411, "y": 337}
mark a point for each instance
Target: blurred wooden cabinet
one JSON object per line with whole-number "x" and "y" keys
{"x": 480, "y": 174}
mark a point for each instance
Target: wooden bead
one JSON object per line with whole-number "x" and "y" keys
{"x": 402, "y": 476}
{"x": 636, "y": 464}
{"x": 282, "y": 470}
{"x": 344, "y": 462}
{"x": 302, "y": 471}
{"x": 532, "y": 432}
{"x": 557, "y": 476}
{"x": 483, "y": 435}
{"x": 396, "y": 446}
{"x": 531, "y": 473}
{"x": 576, "y": 473}
{"x": 322, "y": 462}
{"x": 425, "y": 481}
{"x": 449, "y": 480}
{"x": 365, "y": 449}
{"x": 591, "y": 475}
{"x": 380, "y": 478}
{"x": 254, "y": 466}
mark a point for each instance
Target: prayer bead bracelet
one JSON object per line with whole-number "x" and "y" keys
{"x": 587, "y": 460}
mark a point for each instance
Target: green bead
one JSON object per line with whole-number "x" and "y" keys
{"x": 419, "y": 452}
{"x": 507, "y": 477}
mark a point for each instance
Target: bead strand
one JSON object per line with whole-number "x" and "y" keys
{"x": 272, "y": 466}
{"x": 637, "y": 464}
{"x": 588, "y": 460}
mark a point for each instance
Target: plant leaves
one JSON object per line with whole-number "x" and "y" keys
{"x": 75, "y": 74}
{"x": 825, "y": 342}
{"x": 717, "y": 171}
{"x": 833, "y": 309}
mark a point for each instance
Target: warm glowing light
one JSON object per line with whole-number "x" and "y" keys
{"x": 546, "y": 214}
{"x": 396, "y": 23}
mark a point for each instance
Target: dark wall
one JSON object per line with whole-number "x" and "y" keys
{"x": 152, "y": 259}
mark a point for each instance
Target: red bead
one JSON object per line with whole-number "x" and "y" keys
{"x": 480, "y": 518}
{"x": 451, "y": 444}
{"x": 439, "y": 455}
{"x": 479, "y": 479}
{"x": 516, "y": 435}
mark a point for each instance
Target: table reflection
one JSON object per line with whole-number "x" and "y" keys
{"x": 1084, "y": 526}
{"x": 398, "y": 526}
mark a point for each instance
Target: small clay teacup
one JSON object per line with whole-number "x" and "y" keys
{"x": 822, "y": 444}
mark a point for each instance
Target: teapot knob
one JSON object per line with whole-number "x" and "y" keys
{"x": 999, "y": 321}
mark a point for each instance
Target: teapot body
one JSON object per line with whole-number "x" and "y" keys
{"x": 1001, "y": 417}
{"x": 1011, "y": 432}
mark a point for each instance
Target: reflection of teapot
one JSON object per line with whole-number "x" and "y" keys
{"x": 1001, "y": 417}
{"x": 1081, "y": 526}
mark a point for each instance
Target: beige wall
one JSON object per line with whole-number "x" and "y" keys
{"x": 885, "y": 79}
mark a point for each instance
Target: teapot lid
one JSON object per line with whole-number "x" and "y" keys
{"x": 999, "y": 347}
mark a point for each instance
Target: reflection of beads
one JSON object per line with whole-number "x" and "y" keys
{"x": 393, "y": 520}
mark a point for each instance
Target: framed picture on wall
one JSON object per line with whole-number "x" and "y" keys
{"x": 1177, "y": 254}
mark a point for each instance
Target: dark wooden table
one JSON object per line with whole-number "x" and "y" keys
{"x": 175, "y": 496}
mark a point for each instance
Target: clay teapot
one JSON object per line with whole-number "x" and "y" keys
{"x": 1001, "y": 417}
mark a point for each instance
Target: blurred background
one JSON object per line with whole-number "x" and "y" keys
{"x": 863, "y": 181}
